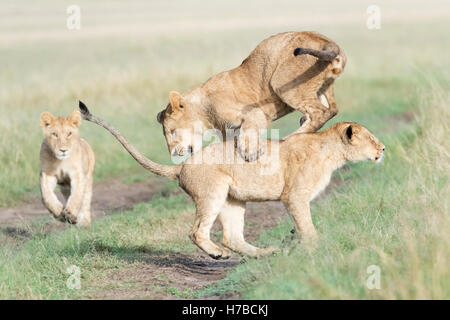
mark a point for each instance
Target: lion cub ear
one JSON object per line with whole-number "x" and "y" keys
{"x": 46, "y": 119}
{"x": 176, "y": 102}
{"x": 75, "y": 118}
{"x": 350, "y": 132}
{"x": 347, "y": 134}
{"x": 160, "y": 116}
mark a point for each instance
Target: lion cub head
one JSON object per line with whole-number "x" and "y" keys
{"x": 181, "y": 126}
{"x": 360, "y": 143}
{"x": 61, "y": 133}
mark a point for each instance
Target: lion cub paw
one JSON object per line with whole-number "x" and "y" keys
{"x": 222, "y": 253}
{"x": 57, "y": 213}
{"x": 266, "y": 251}
{"x": 60, "y": 217}
{"x": 69, "y": 216}
{"x": 249, "y": 148}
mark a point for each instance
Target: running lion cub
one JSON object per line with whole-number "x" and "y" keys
{"x": 66, "y": 160}
{"x": 294, "y": 171}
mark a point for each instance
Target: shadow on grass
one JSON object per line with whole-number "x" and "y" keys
{"x": 16, "y": 233}
{"x": 193, "y": 262}
{"x": 167, "y": 258}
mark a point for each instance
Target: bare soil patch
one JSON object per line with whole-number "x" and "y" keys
{"x": 108, "y": 197}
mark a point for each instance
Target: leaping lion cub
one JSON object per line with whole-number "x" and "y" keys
{"x": 286, "y": 72}
{"x": 304, "y": 165}
{"x": 66, "y": 160}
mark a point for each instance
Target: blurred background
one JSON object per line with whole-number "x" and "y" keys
{"x": 128, "y": 55}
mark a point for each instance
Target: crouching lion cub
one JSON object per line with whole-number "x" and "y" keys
{"x": 66, "y": 160}
{"x": 294, "y": 171}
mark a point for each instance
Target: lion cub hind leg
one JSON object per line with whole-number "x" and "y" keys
{"x": 232, "y": 219}
{"x": 306, "y": 89}
{"x": 208, "y": 209}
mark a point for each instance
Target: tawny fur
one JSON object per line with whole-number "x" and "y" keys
{"x": 293, "y": 171}
{"x": 68, "y": 161}
{"x": 282, "y": 74}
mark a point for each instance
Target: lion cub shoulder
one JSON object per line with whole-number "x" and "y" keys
{"x": 66, "y": 160}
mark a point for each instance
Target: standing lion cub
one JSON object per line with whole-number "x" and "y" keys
{"x": 220, "y": 185}
{"x": 66, "y": 160}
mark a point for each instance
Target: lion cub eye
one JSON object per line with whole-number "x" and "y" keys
{"x": 55, "y": 135}
{"x": 69, "y": 134}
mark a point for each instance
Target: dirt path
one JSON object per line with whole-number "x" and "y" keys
{"x": 108, "y": 197}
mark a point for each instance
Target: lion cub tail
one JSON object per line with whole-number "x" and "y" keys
{"x": 328, "y": 54}
{"x": 160, "y": 169}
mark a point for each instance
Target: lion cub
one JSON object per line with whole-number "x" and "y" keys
{"x": 294, "y": 171}
{"x": 66, "y": 160}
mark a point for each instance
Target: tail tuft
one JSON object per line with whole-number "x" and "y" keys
{"x": 326, "y": 55}
{"x": 83, "y": 109}
{"x": 298, "y": 51}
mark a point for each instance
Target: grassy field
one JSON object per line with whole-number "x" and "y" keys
{"x": 37, "y": 269}
{"x": 125, "y": 60}
{"x": 395, "y": 216}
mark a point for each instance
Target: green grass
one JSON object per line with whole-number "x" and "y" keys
{"x": 123, "y": 63}
{"x": 37, "y": 268}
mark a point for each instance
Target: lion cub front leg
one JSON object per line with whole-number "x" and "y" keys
{"x": 208, "y": 208}
{"x": 51, "y": 202}
{"x": 249, "y": 144}
{"x": 84, "y": 216}
{"x": 75, "y": 201}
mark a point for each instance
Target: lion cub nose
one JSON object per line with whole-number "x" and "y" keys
{"x": 63, "y": 150}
